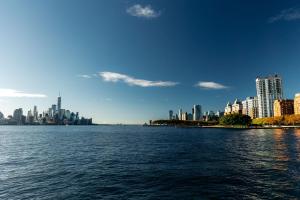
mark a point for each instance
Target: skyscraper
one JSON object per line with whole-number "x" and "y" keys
{"x": 18, "y": 116}
{"x": 170, "y": 114}
{"x": 180, "y": 114}
{"x": 268, "y": 90}
{"x": 53, "y": 109}
{"x": 58, "y": 103}
{"x": 59, "y": 107}
{"x": 35, "y": 113}
{"x": 197, "y": 112}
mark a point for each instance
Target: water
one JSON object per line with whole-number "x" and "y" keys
{"x": 134, "y": 162}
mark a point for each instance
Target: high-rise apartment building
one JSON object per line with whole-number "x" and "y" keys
{"x": 283, "y": 107}
{"x": 197, "y": 112}
{"x": 297, "y": 104}
{"x": 268, "y": 90}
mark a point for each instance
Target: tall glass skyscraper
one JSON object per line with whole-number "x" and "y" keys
{"x": 197, "y": 113}
{"x": 59, "y": 111}
{"x": 58, "y": 103}
{"x": 268, "y": 90}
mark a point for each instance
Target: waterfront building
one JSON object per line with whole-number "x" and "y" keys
{"x": 170, "y": 114}
{"x": 50, "y": 112}
{"x": 68, "y": 114}
{"x": 250, "y": 107}
{"x": 35, "y": 113}
{"x": 184, "y": 116}
{"x": 190, "y": 117}
{"x": 268, "y": 90}
{"x": 228, "y": 109}
{"x": 237, "y": 107}
{"x": 210, "y": 113}
{"x": 297, "y": 104}
{"x": 283, "y": 107}
{"x": 53, "y": 109}
{"x": 219, "y": 113}
{"x": 58, "y": 103}
{"x": 18, "y": 116}
{"x": 180, "y": 114}
{"x": 176, "y": 117}
{"x": 196, "y": 112}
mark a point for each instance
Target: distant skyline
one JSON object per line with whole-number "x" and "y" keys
{"x": 120, "y": 61}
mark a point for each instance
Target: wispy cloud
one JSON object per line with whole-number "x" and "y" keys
{"x": 211, "y": 85}
{"x": 286, "y": 15}
{"x": 115, "y": 77}
{"x": 84, "y": 76}
{"x": 16, "y": 93}
{"x": 138, "y": 10}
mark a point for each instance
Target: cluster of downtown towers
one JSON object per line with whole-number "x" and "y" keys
{"x": 55, "y": 115}
{"x": 269, "y": 102}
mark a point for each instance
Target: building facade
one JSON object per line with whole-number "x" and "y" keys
{"x": 197, "y": 113}
{"x": 283, "y": 107}
{"x": 250, "y": 107}
{"x": 228, "y": 109}
{"x": 180, "y": 114}
{"x": 268, "y": 90}
{"x": 297, "y": 104}
{"x": 237, "y": 107}
{"x": 170, "y": 114}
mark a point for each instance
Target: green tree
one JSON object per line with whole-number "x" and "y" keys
{"x": 235, "y": 119}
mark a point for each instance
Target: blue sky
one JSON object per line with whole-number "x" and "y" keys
{"x": 131, "y": 61}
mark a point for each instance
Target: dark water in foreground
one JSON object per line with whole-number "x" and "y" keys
{"x": 133, "y": 162}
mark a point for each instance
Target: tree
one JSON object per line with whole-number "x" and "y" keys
{"x": 235, "y": 119}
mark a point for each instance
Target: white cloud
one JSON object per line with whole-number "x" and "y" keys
{"x": 147, "y": 11}
{"x": 84, "y": 76}
{"x": 210, "y": 85}
{"x": 16, "y": 93}
{"x": 286, "y": 15}
{"x": 115, "y": 77}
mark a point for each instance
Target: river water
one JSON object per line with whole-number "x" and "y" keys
{"x": 136, "y": 162}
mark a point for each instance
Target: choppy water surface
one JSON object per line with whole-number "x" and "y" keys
{"x": 134, "y": 162}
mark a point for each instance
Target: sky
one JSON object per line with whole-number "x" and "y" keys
{"x": 123, "y": 61}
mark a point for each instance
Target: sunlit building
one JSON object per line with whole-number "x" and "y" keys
{"x": 180, "y": 114}
{"x": 237, "y": 107}
{"x": 250, "y": 107}
{"x": 297, "y": 104}
{"x": 228, "y": 109}
{"x": 184, "y": 116}
{"x": 283, "y": 107}
{"x": 268, "y": 90}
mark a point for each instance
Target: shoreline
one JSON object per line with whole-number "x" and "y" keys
{"x": 229, "y": 127}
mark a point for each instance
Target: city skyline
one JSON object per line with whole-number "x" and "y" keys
{"x": 54, "y": 115}
{"x": 128, "y": 62}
